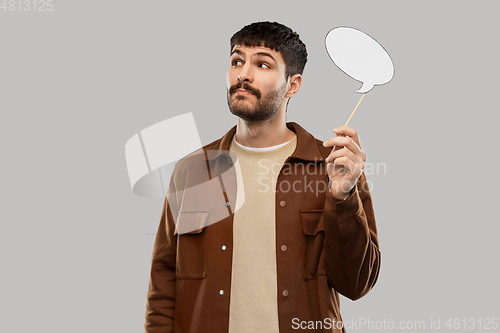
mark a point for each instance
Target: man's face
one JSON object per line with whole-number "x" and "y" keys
{"x": 256, "y": 82}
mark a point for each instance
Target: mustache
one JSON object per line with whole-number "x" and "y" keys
{"x": 246, "y": 86}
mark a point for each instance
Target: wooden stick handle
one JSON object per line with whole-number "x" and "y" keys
{"x": 353, "y": 112}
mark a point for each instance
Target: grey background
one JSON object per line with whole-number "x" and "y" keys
{"x": 76, "y": 83}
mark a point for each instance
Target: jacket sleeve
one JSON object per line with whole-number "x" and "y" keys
{"x": 161, "y": 291}
{"x": 351, "y": 249}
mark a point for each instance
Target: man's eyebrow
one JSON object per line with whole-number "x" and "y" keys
{"x": 265, "y": 54}
{"x": 237, "y": 52}
{"x": 262, "y": 54}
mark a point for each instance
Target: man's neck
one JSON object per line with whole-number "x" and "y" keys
{"x": 261, "y": 134}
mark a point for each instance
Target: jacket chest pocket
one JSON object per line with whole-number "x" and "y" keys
{"x": 312, "y": 226}
{"x": 191, "y": 260}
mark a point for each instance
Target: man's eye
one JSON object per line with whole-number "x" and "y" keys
{"x": 236, "y": 62}
{"x": 264, "y": 66}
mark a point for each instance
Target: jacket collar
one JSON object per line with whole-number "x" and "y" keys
{"x": 307, "y": 147}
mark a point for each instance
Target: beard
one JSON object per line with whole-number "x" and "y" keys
{"x": 266, "y": 107}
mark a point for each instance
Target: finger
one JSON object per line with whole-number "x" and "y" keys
{"x": 348, "y": 164}
{"x": 345, "y": 163}
{"x": 348, "y": 131}
{"x": 339, "y": 147}
{"x": 360, "y": 165}
{"x": 339, "y": 142}
{"x": 335, "y": 169}
{"x": 345, "y": 152}
{"x": 355, "y": 153}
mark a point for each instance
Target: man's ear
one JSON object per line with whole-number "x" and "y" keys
{"x": 294, "y": 85}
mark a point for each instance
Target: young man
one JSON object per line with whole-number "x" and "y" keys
{"x": 302, "y": 228}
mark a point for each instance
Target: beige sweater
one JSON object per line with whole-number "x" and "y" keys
{"x": 253, "y": 302}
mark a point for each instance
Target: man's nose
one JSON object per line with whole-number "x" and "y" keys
{"x": 246, "y": 73}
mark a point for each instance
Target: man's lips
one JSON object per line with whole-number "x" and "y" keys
{"x": 240, "y": 89}
{"x": 243, "y": 92}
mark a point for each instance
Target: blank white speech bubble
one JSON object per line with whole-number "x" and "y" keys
{"x": 359, "y": 56}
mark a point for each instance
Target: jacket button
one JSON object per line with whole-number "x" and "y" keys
{"x": 221, "y": 292}
{"x": 285, "y": 293}
{"x": 227, "y": 203}
{"x": 341, "y": 209}
{"x": 284, "y": 248}
{"x": 223, "y": 247}
{"x": 282, "y": 203}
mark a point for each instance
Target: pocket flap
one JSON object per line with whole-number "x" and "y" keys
{"x": 191, "y": 221}
{"x": 312, "y": 221}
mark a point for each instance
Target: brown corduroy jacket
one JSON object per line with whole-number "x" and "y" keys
{"x": 324, "y": 246}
